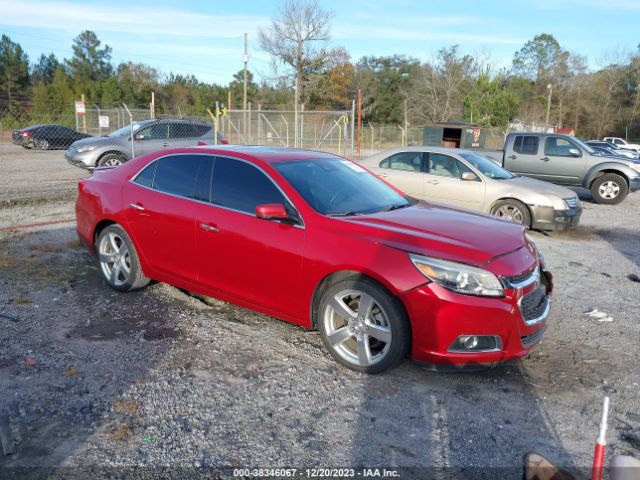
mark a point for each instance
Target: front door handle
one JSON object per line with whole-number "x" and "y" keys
{"x": 433, "y": 182}
{"x": 512, "y": 157}
{"x": 209, "y": 228}
{"x": 383, "y": 175}
{"x": 166, "y": 144}
{"x": 136, "y": 206}
{"x": 545, "y": 159}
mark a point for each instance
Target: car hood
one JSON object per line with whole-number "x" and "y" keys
{"x": 96, "y": 141}
{"x": 444, "y": 232}
{"x": 538, "y": 186}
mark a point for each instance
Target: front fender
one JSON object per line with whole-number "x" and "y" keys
{"x": 610, "y": 167}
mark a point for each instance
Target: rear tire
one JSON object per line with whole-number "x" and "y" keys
{"x": 118, "y": 260}
{"x": 111, "y": 160}
{"x": 363, "y": 326}
{"x": 512, "y": 211}
{"x": 609, "y": 189}
{"x": 42, "y": 145}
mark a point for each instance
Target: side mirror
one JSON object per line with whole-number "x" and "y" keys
{"x": 272, "y": 211}
{"x": 574, "y": 152}
{"x": 139, "y": 136}
{"x": 469, "y": 176}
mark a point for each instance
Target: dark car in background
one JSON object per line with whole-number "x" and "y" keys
{"x": 47, "y": 137}
{"x": 612, "y": 149}
{"x": 148, "y": 136}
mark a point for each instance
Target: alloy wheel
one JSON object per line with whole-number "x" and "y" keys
{"x": 357, "y": 328}
{"x": 112, "y": 162}
{"x": 115, "y": 259}
{"x": 510, "y": 213}
{"x": 609, "y": 190}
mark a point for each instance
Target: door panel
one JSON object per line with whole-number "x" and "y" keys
{"x": 155, "y": 139}
{"x": 256, "y": 260}
{"x": 559, "y": 165}
{"x": 404, "y": 170}
{"x": 162, "y": 227}
{"x": 443, "y": 183}
{"x": 524, "y": 156}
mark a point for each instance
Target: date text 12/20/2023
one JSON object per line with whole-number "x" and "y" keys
{"x": 315, "y": 473}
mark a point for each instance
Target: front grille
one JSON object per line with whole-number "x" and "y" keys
{"x": 532, "y": 339}
{"x": 518, "y": 281}
{"x": 534, "y": 305}
{"x": 571, "y": 202}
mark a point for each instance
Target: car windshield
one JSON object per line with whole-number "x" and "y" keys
{"x": 126, "y": 130}
{"x": 584, "y": 145}
{"x": 487, "y": 167}
{"x": 334, "y": 186}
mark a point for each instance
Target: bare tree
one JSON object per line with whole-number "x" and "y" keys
{"x": 294, "y": 35}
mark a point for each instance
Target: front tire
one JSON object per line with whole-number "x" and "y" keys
{"x": 42, "y": 145}
{"x": 118, "y": 260}
{"x": 363, "y": 326}
{"x": 111, "y": 160}
{"x": 609, "y": 189}
{"x": 512, "y": 211}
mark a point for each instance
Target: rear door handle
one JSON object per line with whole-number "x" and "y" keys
{"x": 136, "y": 206}
{"x": 545, "y": 159}
{"x": 433, "y": 182}
{"x": 512, "y": 157}
{"x": 383, "y": 175}
{"x": 209, "y": 228}
{"x": 166, "y": 144}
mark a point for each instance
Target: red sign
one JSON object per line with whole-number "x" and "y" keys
{"x": 80, "y": 110}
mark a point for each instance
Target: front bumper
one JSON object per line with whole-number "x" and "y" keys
{"x": 547, "y": 218}
{"x": 80, "y": 159}
{"x": 634, "y": 183}
{"x": 439, "y": 316}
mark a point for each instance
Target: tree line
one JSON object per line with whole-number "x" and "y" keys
{"x": 452, "y": 86}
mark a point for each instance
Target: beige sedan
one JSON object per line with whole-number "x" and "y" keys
{"x": 468, "y": 179}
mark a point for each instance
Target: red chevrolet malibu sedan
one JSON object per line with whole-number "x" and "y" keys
{"x": 316, "y": 240}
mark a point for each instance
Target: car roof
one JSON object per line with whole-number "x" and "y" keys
{"x": 266, "y": 153}
{"x": 435, "y": 149}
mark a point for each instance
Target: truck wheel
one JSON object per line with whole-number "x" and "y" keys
{"x": 609, "y": 189}
{"x": 512, "y": 211}
{"x": 111, "y": 160}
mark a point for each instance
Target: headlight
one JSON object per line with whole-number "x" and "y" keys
{"x": 86, "y": 148}
{"x": 558, "y": 203}
{"x": 459, "y": 277}
{"x": 635, "y": 166}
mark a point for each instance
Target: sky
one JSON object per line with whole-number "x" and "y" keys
{"x": 204, "y": 38}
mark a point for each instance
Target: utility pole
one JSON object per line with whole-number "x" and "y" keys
{"x": 546, "y": 122}
{"x": 244, "y": 95}
{"x": 359, "y": 124}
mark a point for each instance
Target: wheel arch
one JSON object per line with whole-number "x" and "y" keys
{"x": 527, "y": 206}
{"x": 111, "y": 152}
{"x": 100, "y": 226}
{"x": 593, "y": 176}
{"x": 341, "y": 275}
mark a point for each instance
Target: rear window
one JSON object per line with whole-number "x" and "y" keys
{"x": 525, "y": 144}
{"x": 145, "y": 177}
{"x": 182, "y": 130}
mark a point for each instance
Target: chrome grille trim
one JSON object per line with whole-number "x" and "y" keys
{"x": 522, "y": 280}
{"x": 571, "y": 202}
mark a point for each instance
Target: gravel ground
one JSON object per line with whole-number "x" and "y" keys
{"x": 31, "y": 174}
{"x": 158, "y": 382}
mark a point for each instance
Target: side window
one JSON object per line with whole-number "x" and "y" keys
{"x": 177, "y": 174}
{"x": 445, "y": 166}
{"x": 408, "y": 161}
{"x": 241, "y": 186}
{"x": 181, "y": 130}
{"x": 558, "y": 146}
{"x": 526, "y": 144}
{"x": 202, "y": 129}
{"x": 145, "y": 177}
{"x": 154, "y": 132}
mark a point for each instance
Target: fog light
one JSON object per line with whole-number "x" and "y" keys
{"x": 476, "y": 344}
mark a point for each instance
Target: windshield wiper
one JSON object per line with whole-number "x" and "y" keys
{"x": 343, "y": 214}
{"x": 397, "y": 206}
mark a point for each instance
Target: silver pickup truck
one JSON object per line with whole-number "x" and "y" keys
{"x": 566, "y": 160}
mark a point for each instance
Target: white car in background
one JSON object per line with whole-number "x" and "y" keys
{"x": 622, "y": 143}
{"x": 470, "y": 180}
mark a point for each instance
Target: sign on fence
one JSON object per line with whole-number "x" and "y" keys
{"x": 103, "y": 121}
{"x": 80, "y": 110}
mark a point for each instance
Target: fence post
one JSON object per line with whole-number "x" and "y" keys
{"x": 259, "y": 124}
{"x": 353, "y": 122}
{"x": 133, "y": 153}
{"x": 301, "y": 127}
{"x": 248, "y": 140}
{"x": 373, "y": 134}
{"x": 216, "y": 123}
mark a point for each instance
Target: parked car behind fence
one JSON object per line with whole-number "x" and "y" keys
{"x": 47, "y": 137}
{"x": 138, "y": 139}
